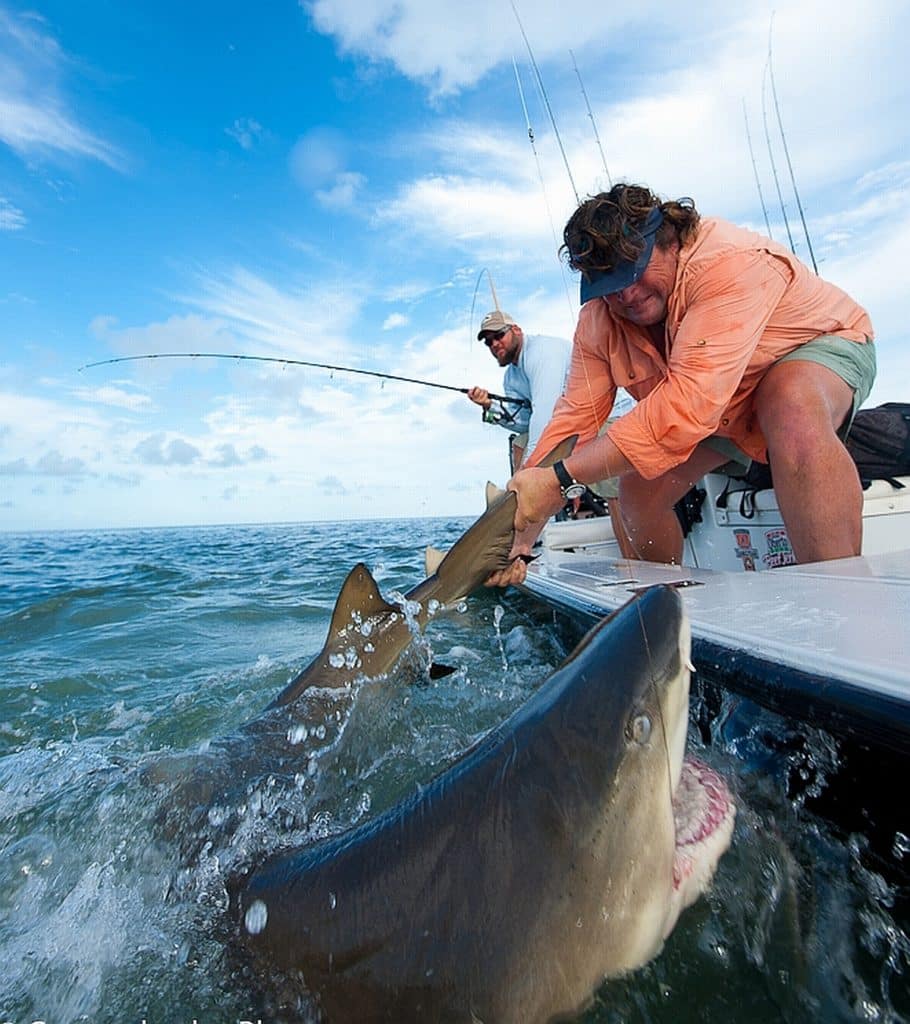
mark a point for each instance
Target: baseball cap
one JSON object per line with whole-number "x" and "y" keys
{"x": 495, "y": 322}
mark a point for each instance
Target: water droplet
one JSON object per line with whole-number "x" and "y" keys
{"x": 298, "y": 734}
{"x": 336, "y": 660}
{"x": 366, "y": 628}
{"x": 319, "y": 732}
{"x": 256, "y": 917}
{"x": 369, "y": 648}
{"x": 333, "y": 902}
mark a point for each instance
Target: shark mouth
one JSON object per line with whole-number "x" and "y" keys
{"x": 704, "y": 813}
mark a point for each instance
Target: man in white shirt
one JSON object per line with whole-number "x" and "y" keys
{"x": 536, "y": 368}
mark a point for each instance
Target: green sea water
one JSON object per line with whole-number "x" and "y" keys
{"x": 132, "y": 660}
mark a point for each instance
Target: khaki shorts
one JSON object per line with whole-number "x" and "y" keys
{"x": 853, "y": 362}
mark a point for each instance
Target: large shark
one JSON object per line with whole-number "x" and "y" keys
{"x": 558, "y": 850}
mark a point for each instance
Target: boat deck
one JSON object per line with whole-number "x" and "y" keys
{"x": 825, "y": 642}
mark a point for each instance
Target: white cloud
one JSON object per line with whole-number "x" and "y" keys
{"x": 34, "y": 115}
{"x": 245, "y": 131}
{"x": 11, "y": 217}
{"x": 115, "y": 396}
{"x": 156, "y": 450}
{"x": 318, "y": 157}
{"x": 184, "y": 334}
{"x": 343, "y": 193}
{"x": 394, "y": 320}
{"x": 451, "y": 44}
{"x": 312, "y": 318}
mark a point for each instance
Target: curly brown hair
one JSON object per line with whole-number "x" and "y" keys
{"x": 605, "y": 229}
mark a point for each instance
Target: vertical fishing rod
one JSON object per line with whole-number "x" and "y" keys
{"x": 780, "y": 198}
{"x": 593, "y": 122}
{"x": 783, "y": 139}
{"x": 543, "y": 187}
{"x": 761, "y": 195}
{"x": 543, "y": 93}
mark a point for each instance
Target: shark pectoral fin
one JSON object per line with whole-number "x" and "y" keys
{"x": 493, "y": 493}
{"x": 359, "y": 597}
{"x": 562, "y": 451}
{"x": 432, "y": 559}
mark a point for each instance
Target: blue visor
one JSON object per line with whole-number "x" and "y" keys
{"x": 626, "y": 272}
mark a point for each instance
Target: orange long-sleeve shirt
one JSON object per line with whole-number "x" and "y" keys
{"x": 740, "y": 301}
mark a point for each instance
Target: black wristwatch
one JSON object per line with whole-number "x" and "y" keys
{"x": 569, "y": 486}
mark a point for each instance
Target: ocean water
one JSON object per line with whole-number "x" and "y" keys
{"x": 130, "y": 790}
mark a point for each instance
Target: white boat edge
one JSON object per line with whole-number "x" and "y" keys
{"x": 825, "y": 641}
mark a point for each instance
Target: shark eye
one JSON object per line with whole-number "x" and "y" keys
{"x": 639, "y": 729}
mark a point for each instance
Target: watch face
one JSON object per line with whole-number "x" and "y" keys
{"x": 574, "y": 491}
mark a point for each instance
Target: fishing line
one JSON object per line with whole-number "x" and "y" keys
{"x": 543, "y": 93}
{"x": 761, "y": 196}
{"x": 780, "y": 198}
{"x": 543, "y": 189}
{"x": 783, "y": 139}
{"x": 593, "y": 122}
{"x": 297, "y": 362}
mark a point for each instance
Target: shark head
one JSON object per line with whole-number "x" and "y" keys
{"x": 558, "y": 850}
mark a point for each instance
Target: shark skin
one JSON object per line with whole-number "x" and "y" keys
{"x": 558, "y": 850}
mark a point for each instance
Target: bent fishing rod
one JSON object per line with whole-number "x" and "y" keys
{"x": 520, "y": 402}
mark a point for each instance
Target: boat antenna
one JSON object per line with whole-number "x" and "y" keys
{"x": 783, "y": 139}
{"x": 543, "y": 187}
{"x": 593, "y": 122}
{"x": 780, "y": 198}
{"x": 295, "y": 362}
{"x": 761, "y": 195}
{"x": 546, "y": 100}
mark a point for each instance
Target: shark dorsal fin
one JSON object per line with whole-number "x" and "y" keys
{"x": 492, "y": 493}
{"x": 359, "y": 596}
{"x": 431, "y": 559}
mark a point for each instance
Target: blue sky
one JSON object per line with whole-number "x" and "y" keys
{"x": 327, "y": 181}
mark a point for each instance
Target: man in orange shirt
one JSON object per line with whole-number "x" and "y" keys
{"x": 733, "y": 349}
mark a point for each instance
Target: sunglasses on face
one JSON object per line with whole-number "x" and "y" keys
{"x": 498, "y": 336}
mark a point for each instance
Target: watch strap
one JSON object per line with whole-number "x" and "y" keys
{"x": 565, "y": 478}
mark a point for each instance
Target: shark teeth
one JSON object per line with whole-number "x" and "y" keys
{"x": 703, "y": 812}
